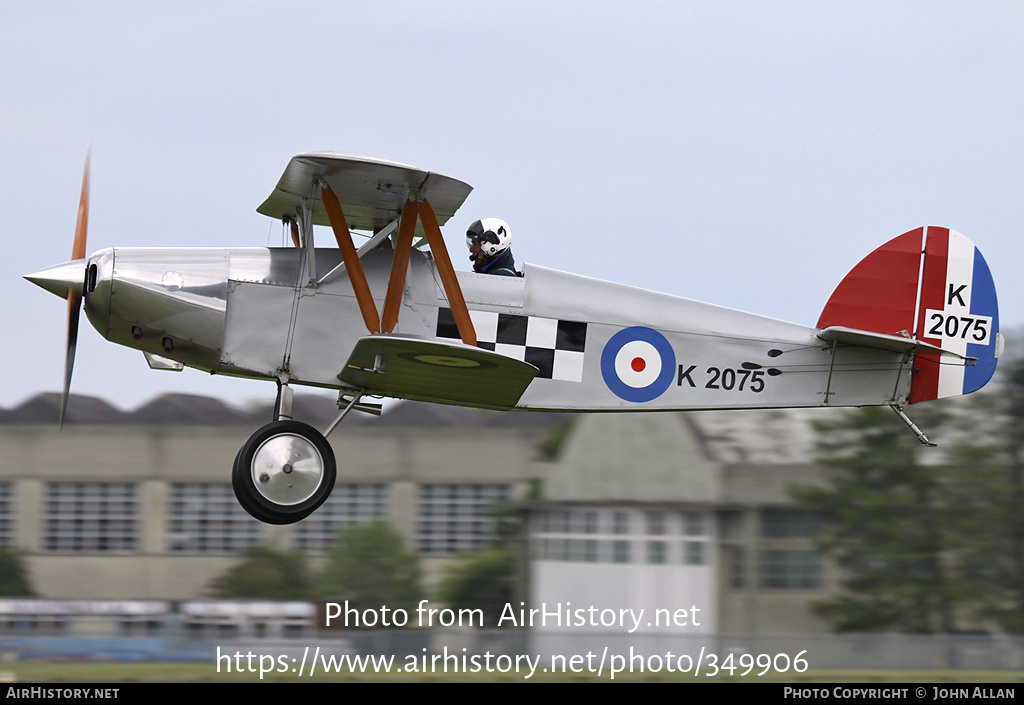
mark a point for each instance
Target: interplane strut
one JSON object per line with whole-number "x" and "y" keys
{"x": 386, "y": 322}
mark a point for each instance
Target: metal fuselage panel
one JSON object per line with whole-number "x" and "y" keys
{"x": 693, "y": 355}
{"x": 150, "y": 299}
{"x": 600, "y": 346}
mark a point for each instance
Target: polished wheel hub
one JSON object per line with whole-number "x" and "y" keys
{"x": 287, "y": 469}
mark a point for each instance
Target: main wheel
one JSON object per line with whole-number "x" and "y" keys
{"x": 283, "y": 472}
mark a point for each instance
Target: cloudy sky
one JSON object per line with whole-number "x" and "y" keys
{"x": 746, "y": 154}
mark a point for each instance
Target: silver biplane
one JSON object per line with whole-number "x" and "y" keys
{"x": 915, "y": 320}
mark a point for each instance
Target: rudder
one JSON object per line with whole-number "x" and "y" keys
{"x": 958, "y": 312}
{"x": 931, "y": 284}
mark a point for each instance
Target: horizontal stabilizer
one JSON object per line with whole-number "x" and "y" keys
{"x": 881, "y": 341}
{"x": 447, "y": 373}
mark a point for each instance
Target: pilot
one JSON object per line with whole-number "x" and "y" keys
{"x": 490, "y": 247}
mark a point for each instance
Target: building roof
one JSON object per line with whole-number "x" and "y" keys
{"x": 45, "y": 409}
{"x": 634, "y": 457}
{"x": 314, "y": 409}
{"x": 760, "y": 436}
{"x": 186, "y": 409}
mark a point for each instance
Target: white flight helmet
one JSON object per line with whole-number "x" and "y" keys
{"x": 492, "y": 234}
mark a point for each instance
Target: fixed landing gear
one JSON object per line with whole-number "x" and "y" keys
{"x": 287, "y": 469}
{"x": 284, "y": 472}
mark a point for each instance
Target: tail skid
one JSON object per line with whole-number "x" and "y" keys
{"x": 913, "y": 427}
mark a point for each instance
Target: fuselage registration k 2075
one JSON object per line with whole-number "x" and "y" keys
{"x": 915, "y": 320}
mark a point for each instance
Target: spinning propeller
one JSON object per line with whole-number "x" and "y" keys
{"x": 68, "y": 280}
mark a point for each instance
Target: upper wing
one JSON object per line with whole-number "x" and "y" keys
{"x": 371, "y": 191}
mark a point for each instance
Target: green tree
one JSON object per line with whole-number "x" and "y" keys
{"x": 483, "y": 579}
{"x": 895, "y": 526}
{"x": 488, "y": 577}
{"x": 370, "y": 566}
{"x": 267, "y": 573}
{"x": 550, "y": 447}
{"x": 14, "y": 580}
{"x": 1005, "y": 562}
{"x": 985, "y": 490}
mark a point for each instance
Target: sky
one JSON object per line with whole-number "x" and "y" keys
{"x": 744, "y": 154}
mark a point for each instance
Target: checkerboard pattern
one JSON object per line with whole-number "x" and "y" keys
{"x": 553, "y": 346}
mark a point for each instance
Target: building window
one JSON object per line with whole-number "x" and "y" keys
{"x": 582, "y": 550}
{"x": 584, "y": 522}
{"x": 738, "y": 576}
{"x": 694, "y": 553}
{"x": 657, "y": 537}
{"x": 556, "y": 522}
{"x": 787, "y": 569}
{"x": 553, "y": 549}
{"x": 575, "y": 550}
{"x": 657, "y": 552}
{"x": 456, "y": 517}
{"x": 350, "y": 503}
{"x": 790, "y": 524}
{"x": 7, "y": 522}
{"x": 90, "y": 517}
{"x": 656, "y": 523}
{"x": 620, "y": 523}
{"x": 694, "y": 524}
{"x": 205, "y": 517}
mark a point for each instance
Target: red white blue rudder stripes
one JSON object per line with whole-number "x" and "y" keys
{"x": 932, "y": 284}
{"x": 958, "y": 312}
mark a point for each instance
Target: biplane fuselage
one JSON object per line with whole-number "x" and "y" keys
{"x": 915, "y": 320}
{"x": 255, "y": 313}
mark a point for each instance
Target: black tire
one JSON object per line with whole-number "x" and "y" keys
{"x": 283, "y": 472}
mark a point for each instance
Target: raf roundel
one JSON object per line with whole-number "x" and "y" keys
{"x": 638, "y": 364}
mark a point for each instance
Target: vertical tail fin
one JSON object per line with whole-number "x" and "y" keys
{"x": 933, "y": 285}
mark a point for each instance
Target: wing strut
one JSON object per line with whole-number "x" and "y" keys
{"x": 399, "y": 266}
{"x": 448, "y": 279}
{"x": 351, "y": 258}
